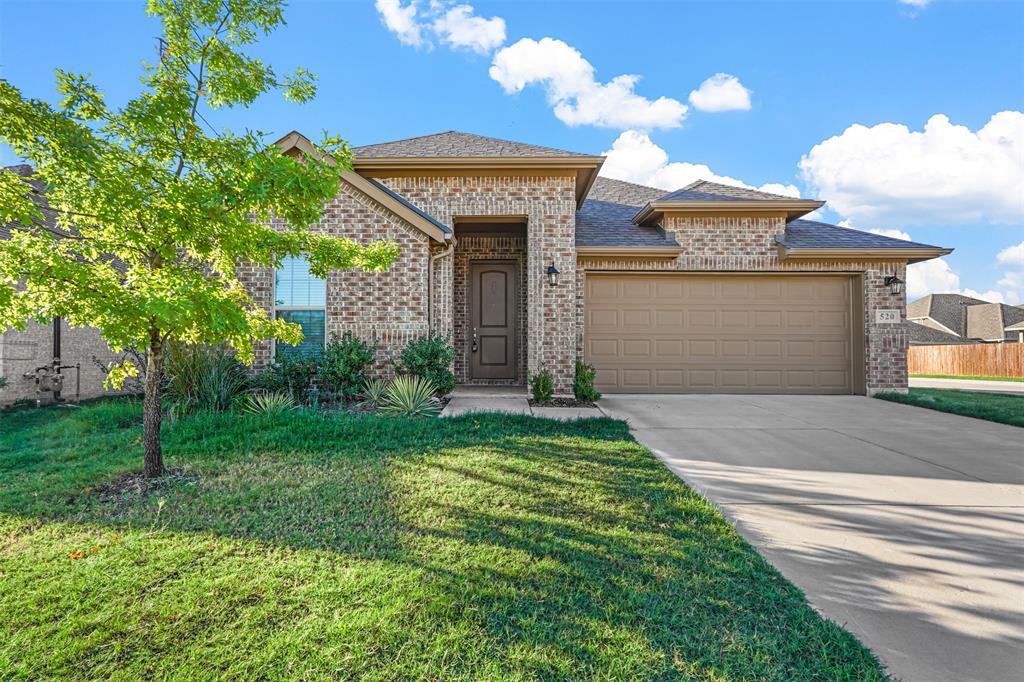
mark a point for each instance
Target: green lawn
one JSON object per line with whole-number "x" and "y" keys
{"x": 965, "y": 378}
{"x": 996, "y": 407}
{"x": 306, "y": 547}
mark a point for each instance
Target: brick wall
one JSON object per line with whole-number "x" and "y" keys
{"x": 549, "y": 204}
{"x": 23, "y": 351}
{"x": 720, "y": 243}
{"x": 473, "y": 248}
{"x": 386, "y": 308}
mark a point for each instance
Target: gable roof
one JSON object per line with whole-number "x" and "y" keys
{"x": 989, "y": 321}
{"x": 295, "y": 143}
{"x": 947, "y": 310}
{"x": 704, "y": 195}
{"x": 923, "y": 335}
{"x": 813, "y": 239}
{"x": 455, "y": 144}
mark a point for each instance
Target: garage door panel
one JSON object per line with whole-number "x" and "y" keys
{"x": 707, "y": 334}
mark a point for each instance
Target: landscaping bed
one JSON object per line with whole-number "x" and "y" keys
{"x": 304, "y": 546}
{"x": 997, "y": 407}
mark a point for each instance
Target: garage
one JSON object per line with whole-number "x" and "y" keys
{"x": 743, "y": 333}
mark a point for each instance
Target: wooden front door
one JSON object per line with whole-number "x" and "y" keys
{"x": 493, "y": 294}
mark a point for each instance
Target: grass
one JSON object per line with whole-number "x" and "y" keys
{"x": 303, "y": 547}
{"x": 995, "y": 407}
{"x": 965, "y": 378}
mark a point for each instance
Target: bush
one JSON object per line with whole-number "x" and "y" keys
{"x": 343, "y": 365}
{"x": 374, "y": 391}
{"x": 292, "y": 374}
{"x": 583, "y": 387}
{"x": 198, "y": 377}
{"x": 411, "y": 396}
{"x": 542, "y": 387}
{"x": 268, "y": 403}
{"x": 429, "y": 357}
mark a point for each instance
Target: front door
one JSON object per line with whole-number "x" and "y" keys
{"x": 493, "y": 292}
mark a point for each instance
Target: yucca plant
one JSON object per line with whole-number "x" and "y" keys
{"x": 268, "y": 403}
{"x": 198, "y": 377}
{"x": 411, "y": 396}
{"x": 374, "y": 391}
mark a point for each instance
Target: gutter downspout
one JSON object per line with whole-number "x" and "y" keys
{"x": 430, "y": 280}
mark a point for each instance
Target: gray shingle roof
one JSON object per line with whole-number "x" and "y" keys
{"x": 606, "y": 217}
{"x": 920, "y": 335}
{"x": 38, "y": 189}
{"x": 705, "y": 190}
{"x": 453, "y": 144}
{"x": 949, "y": 310}
{"x": 988, "y": 321}
{"x": 810, "y": 234}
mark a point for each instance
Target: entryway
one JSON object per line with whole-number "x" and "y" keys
{"x": 493, "y": 304}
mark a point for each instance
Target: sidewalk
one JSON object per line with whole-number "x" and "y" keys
{"x": 969, "y": 385}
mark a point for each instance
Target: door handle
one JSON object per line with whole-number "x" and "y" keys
{"x": 474, "y": 340}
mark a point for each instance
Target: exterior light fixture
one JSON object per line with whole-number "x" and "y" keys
{"x": 552, "y": 274}
{"x": 895, "y": 284}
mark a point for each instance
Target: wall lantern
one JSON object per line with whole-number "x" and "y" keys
{"x": 552, "y": 274}
{"x": 895, "y": 285}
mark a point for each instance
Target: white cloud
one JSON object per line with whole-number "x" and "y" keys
{"x": 915, "y": 3}
{"x": 894, "y": 234}
{"x": 931, "y": 277}
{"x": 943, "y": 174}
{"x": 1011, "y": 255}
{"x": 401, "y": 20}
{"x": 990, "y": 296}
{"x": 635, "y": 158}
{"x": 459, "y": 27}
{"x": 572, "y": 90}
{"x": 721, "y": 92}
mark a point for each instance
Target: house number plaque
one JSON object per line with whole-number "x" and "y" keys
{"x": 887, "y": 316}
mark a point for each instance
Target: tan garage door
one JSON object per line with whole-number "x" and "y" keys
{"x": 720, "y": 333}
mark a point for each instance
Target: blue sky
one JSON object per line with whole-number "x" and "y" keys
{"x": 830, "y": 100}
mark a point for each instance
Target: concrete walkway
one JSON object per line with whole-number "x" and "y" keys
{"x": 511, "y": 400}
{"x": 902, "y": 524}
{"x": 969, "y": 385}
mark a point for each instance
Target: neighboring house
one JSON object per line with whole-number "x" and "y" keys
{"x": 528, "y": 261}
{"x": 962, "y": 319}
{"x": 28, "y": 358}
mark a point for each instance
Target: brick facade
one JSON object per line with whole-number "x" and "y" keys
{"x": 22, "y": 352}
{"x": 747, "y": 244}
{"x": 549, "y": 205}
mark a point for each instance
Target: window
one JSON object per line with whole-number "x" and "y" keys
{"x": 301, "y": 298}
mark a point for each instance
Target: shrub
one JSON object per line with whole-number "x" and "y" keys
{"x": 343, "y": 365}
{"x": 291, "y": 374}
{"x": 268, "y": 403}
{"x": 198, "y": 377}
{"x": 411, "y": 396}
{"x": 429, "y": 357}
{"x": 373, "y": 392}
{"x": 3, "y": 382}
{"x": 541, "y": 386}
{"x": 583, "y": 387}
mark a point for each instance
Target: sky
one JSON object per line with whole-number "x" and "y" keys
{"x": 904, "y": 115}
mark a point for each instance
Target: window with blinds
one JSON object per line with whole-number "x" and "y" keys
{"x": 301, "y": 298}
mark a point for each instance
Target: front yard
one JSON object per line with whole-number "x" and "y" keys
{"x": 300, "y": 546}
{"x": 996, "y": 407}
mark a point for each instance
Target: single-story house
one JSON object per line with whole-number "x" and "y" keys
{"x": 957, "y": 319}
{"x": 55, "y": 355}
{"x": 529, "y": 260}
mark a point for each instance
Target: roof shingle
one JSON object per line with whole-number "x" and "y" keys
{"x": 455, "y": 144}
{"x": 810, "y": 234}
{"x": 705, "y": 190}
{"x": 606, "y": 217}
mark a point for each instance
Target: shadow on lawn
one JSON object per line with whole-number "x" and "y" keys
{"x": 567, "y": 548}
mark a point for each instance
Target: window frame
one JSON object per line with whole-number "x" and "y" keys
{"x": 275, "y": 308}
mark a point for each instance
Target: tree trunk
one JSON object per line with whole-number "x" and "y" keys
{"x": 153, "y": 455}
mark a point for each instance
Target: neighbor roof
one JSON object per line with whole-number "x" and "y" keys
{"x": 455, "y": 144}
{"x": 922, "y": 335}
{"x": 605, "y": 220}
{"x": 988, "y": 321}
{"x": 38, "y": 189}
{"x": 948, "y": 310}
{"x": 810, "y": 239}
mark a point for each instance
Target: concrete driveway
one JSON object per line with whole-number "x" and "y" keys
{"x": 904, "y": 525}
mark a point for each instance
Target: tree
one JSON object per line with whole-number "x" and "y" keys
{"x": 157, "y": 210}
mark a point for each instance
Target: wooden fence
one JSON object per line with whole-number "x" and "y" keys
{"x": 982, "y": 359}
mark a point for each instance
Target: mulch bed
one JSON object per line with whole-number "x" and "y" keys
{"x": 561, "y": 402}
